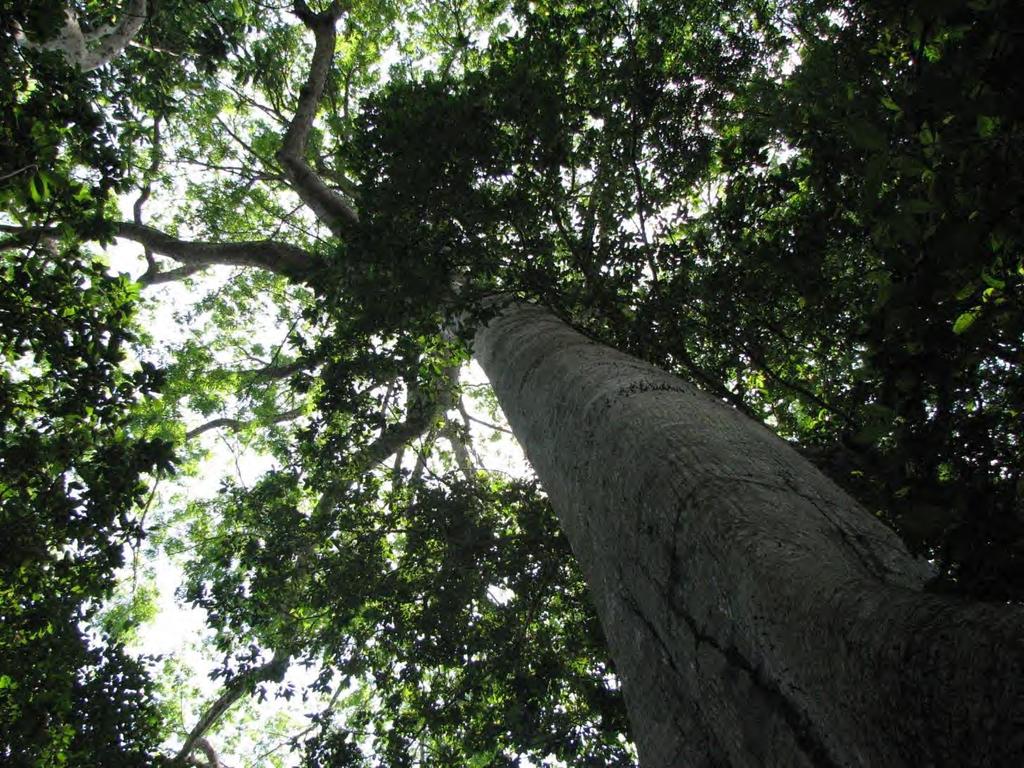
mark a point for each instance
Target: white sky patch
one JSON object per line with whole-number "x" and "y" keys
{"x": 498, "y": 449}
{"x": 499, "y": 595}
{"x": 793, "y": 60}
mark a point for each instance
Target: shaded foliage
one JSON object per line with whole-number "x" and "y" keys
{"x": 70, "y": 477}
{"x": 811, "y": 209}
{"x": 866, "y": 238}
{"x": 454, "y": 622}
{"x": 835, "y": 251}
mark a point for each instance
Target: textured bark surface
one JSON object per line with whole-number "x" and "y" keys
{"x": 757, "y": 615}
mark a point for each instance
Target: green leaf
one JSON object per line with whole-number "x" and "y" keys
{"x": 992, "y": 282}
{"x": 965, "y": 321}
{"x": 867, "y": 135}
{"x": 987, "y": 126}
{"x": 45, "y": 178}
{"x": 967, "y": 291}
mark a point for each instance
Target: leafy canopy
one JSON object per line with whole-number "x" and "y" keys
{"x": 810, "y": 209}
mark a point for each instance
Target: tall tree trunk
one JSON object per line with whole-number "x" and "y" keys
{"x": 756, "y": 614}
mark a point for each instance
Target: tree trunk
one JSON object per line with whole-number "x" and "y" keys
{"x": 756, "y": 614}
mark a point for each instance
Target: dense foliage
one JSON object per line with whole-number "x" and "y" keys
{"x": 70, "y": 485}
{"x": 854, "y": 279}
{"x": 810, "y": 208}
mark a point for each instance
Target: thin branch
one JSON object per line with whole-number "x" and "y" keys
{"x": 309, "y": 729}
{"x": 457, "y": 440}
{"x": 422, "y": 413}
{"x": 237, "y": 425}
{"x": 796, "y": 387}
{"x": 144, "y": 194}
{"x": 329, "y": 206}
{"x": 276, "y": 372}
{"x": 396, "y": 469}
{"x": 170, "y": 275}
{"x": 273, "y": 670}
{"x": 269, "y": 111}
{"x": 243, "y": 172}
{"x": 421, "y": 460}
{"x": 30, "y": 167}
{"x": 238, "y": 139}
{"x": 487, "y": 424}
{"x": 340, "y": 180}
{"x": 294, "y": 223}
{"x": 154, "y": 49}
{"x": 599, "y": 191}
{"x": 467, "y": 430}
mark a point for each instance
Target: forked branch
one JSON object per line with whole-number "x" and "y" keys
{"x": 89, "y": 50}
{"x": 272, "y": 255}
{"x": 423, "y": 410}
{"x": 169, "y": 275}
{"x": 212, "y": 758}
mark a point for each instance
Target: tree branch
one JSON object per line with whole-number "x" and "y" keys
{"x": 237, "y": 425}
{"x": 33, "y": 238}
{"x": 170, "y": 275}
{"x": 87, "y": 51}
{"x": 275, "y": 372}
{"x": 273, "y": 670}
{"x": 212, "y": 758}
{"x": 30, "y": 167}
{"x": 340, "y": 180}
{"x": 469, "y": 417}
{"x": 281, "y": 258}
{"x": 274, "y": 256}
{"x": 422, "y": 412}
{"x": 457, "y": 440}
{"x": 144, "y": 194}
{"x": 329, "y": 206}
{"x": 23, "y": 239}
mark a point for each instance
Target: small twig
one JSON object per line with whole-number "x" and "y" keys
{"x": 30, "y": 167}
{"x": 151, "y": 269}
{"x": 488, "y": 424}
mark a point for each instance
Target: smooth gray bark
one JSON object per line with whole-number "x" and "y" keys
{"x": 88, "y": 51}
{"x": 282, "y": 258}
{"x": 329, "y": 205}
{"x": 756, "y": 614}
